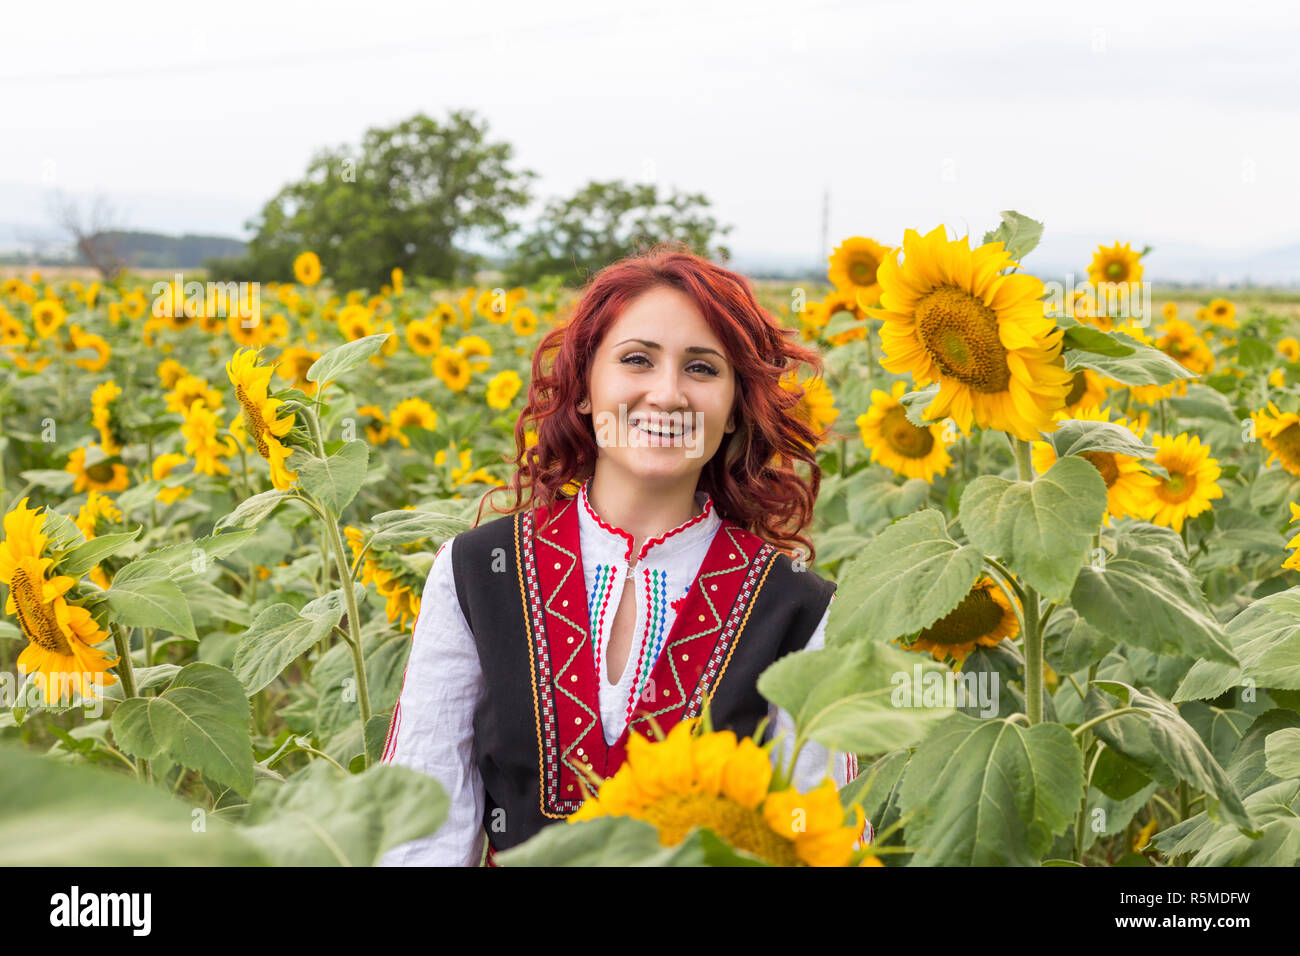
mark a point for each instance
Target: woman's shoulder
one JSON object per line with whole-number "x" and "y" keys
{"x": 790, "y": 569}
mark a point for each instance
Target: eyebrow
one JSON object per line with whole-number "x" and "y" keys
{"x": 691, "y": 349}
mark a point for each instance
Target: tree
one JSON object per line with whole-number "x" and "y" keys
{"x": 412, "y": 194}
{"x": 606, "y": 221}
{"x": 93, "y": 230}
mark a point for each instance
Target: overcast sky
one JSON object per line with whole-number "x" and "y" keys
{"x": 1156, "y": 121}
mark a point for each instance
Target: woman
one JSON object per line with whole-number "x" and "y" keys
{"x": 643, "y": 568}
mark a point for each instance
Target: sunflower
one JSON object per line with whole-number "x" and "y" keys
{"x": 1280, "y": 434}
{"x": 523, "y": 322}
{"x": 816, "y": 403}
{"x": 1292, "y": 561}
{"x": 1191, "y": 483}
{"x": 466, "y": 305}
{"x": 852, "y": 269}
{"x": 502, "y": 389}
{"x": 949, "y": 315}
{"x": 306, "y": 268}
{"x": 97, "y": 516}
{"x": 100, "y": 475}
{"x": 190, "y": 389}
{"x": 248, "y": 330}
{"x": 134, "y": 304}
{"x": 88, "y": 340}
{"x": 443, "y": 314}
{"x": 60, "y": 635}
{"x": 424, "y": 336}
{"x": 398, "y": 284}
{"x": 103, "y": 417}
{"x": 452, "y": 368}
{"x": 475, "y": 347}
{"x": 412, "y": 413}
{"x": 264, "y": 428}
{"x": 1086, "y": 389}
{"x": 1180, "y": 341}
{"x": 1222, "y": 313}
{"x": 689, "y": 780}
{"x": 1115, "y": 264}
{"x": 201, "y": 429}
{"x": 898, "y": 444}
{"x": 1290, "y": 348}
{"x": 47, "y": 316}
{"x": 814, "y": 317}
{"x": 377, "y": 429}
{"x": 402, "y": 604}
{"x": 162, "y": 467}
{"x": 983, "y": 617}
{"x": 292, "y": 366}
{"x": 1129, "y": 486}
{"x": 1169, "y": 311}
{"x": 354, "y": 322}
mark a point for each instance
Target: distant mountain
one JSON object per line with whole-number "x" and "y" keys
{"x": 140, "y": 250}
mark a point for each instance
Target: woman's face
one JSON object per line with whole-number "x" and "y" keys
{"x": 661, "y": 389}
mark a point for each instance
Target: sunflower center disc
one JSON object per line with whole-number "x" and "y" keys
{"x": 1104, "y": 462}
{"x": 976, "y": 615}
{"x": 1116, "y": 271}
{"x": 675, "y": 814}
{"x": 904, "y": 437}
{"x": 37, "y": 617}
{"x": 1177, "y": 487}
{"x": 100, "y": 473}
{"x": 961, "y": 334}
{"x": 1287, "y": 444}
{"x": 1078, "y": 385}
{"x": 863, "y": 271}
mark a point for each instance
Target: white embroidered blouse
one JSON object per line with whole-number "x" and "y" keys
{"x": 433, "y": 725}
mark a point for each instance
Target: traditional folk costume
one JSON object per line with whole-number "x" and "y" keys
{"x": 506, "y": 692}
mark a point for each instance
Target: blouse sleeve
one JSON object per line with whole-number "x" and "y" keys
{"x": 432, "y": 729}
{"x": 811, "y": 767}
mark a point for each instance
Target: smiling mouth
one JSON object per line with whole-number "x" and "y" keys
{"x": 660, "y": 432}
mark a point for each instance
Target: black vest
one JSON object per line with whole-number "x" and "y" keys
{"x": 520, "y": 585}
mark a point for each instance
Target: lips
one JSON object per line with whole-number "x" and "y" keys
{"x": 660, "y": 431}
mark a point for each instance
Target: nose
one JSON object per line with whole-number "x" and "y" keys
{"x": 665, "y": 391}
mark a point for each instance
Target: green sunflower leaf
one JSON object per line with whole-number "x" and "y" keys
{"x": 335, "y": 480}
{"x": 345, "y": 357}
{"x": 1077, "y": 436}
{"x": 321, "y": 817}
{"x": 200, "y": 721}
{"x": 1164, "y": 745}
{"x": 1145, "y": 595}
{"x": 252, "y": 511}
{"x": 1266, "y": 640}
{"x": 906, "y": 578}
{"x": 1018, "y": 234}
{"x": 1042, "y": 528}
{"x": 990, "y": 793}
{"x": 280, "y": 633}
{"x": 1085, "y": 338}
{"x": 85, "y": 556}
{"x": 1142, "y": 366}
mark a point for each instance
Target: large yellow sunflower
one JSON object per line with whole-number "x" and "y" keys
{"x": 1115, "y": 264}
{"x": 100, "y": 476}
{"x": 306, "y": 268}
{"x": 1087, "y": 388}
{"x": 61, "y": 636}
{"x": 949, "y": 315}
{"x": 264, "y": 429}
{"x": 1222, "y": 313}
{"x": 412, "y": 413}
{"x": 47, "y": 316}
{"x": 201, "y": 428}
{"x": 898, "y": 444}
{"x": 1280, "y": 434}
{"x": 852, "y": 269}
{"x": 424, "y": 336}
{"x": 292, "y": 366}
{"x": 377, "y": 429}
{"x": 712, "y": 780}
{"x": 190, "y": 389}
{"x": 452, "y": 368}
{"x": 1180, "y": 341}
{"x": 477, "y": 349}
{"x": 1290, "y": 348}
{"x": 983, "y": 617}
{"x": 1192, "y": 481}
{"x": 1129, "y": 486}
{"x": 816, "y": 403}
{"x": 503, "y": 388}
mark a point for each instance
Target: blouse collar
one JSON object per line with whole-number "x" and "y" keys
{"x": 615, "y": 543}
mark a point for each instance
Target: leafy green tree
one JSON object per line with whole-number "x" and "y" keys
{"x": 606, "y": 221}
{"x": 409, "y": 198}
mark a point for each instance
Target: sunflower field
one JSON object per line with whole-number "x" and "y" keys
{"x": 1067, "y": 624}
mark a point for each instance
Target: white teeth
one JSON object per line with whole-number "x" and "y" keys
{"x": 663, "y": 430}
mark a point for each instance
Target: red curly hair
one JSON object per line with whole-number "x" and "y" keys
{"x": 752, "y": 479}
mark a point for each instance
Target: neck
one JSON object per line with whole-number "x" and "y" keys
{"x": 642, "y": 509}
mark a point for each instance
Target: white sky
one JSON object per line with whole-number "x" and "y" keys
{"x": 1154, "y": 121}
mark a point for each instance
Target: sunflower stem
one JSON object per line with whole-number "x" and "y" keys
{"x": 354, "y": 627}
{"x": 1033, "y": 633}
{"x": 125, "y": 670}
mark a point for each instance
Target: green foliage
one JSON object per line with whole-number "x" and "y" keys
{"x": 606, "y": 221}
{"x": 408, "y": 197}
